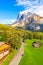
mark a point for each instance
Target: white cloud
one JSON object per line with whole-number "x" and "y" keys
{"x": 7, "y": 21}
{"x": 35, "y": 6}
{"x": 39, "y": 10}
{"x": 12, "y": 20}
{"x": 26, "y": 3}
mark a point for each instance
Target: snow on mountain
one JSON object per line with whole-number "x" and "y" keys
{"x": 29, "y": 20}
{"x": 23, "y": 15}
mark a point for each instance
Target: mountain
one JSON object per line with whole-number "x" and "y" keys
{"x": 29, "y": 21}
{"x": 22, "y": 19}
{"x": 36, "y": 23}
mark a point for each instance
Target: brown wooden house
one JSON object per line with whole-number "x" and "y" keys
{"x": 36, "y": 44}
{"x": 4, "y": 49}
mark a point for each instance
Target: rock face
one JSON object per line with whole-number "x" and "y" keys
{"x": 29, "y": 20}
{"x": 36, "y": 23}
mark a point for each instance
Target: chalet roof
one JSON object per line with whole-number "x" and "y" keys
{"x": 4, "y": 46}
{"x": 36, "y": 43}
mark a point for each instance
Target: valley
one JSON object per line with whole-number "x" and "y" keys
{"x": 21, "y": 32}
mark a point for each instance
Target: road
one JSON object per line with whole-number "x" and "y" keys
{"x": 18, "y": 57}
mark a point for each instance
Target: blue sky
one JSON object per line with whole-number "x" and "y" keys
{"x": 9, "y": 9}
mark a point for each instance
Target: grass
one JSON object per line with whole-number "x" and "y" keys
{"x": 8, "y": 59}
{"x": 32, "y": 56}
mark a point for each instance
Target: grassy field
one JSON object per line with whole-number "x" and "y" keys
{"x": 8, "y": 59}
{"x": 32, "y": 56}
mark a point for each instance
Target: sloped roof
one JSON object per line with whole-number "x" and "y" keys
{"x": 4, "y": 46}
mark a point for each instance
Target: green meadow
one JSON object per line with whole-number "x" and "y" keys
{"x": 32, "y": 56}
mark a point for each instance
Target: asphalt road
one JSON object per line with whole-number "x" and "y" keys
{"x": 18, "y": 57}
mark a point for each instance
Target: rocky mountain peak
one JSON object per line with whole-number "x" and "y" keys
{"x": 29, "y": 20}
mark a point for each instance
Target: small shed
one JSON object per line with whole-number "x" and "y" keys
{"x": 36, "y": 44}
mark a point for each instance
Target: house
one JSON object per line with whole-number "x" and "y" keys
{"x": 4, "y": 49}
{"x": 36, "y": 44}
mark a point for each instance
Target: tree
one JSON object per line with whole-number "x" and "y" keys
{"x": 15, "y": 42}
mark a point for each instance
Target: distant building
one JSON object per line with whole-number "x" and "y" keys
{"x": 4, "y": 49}
{"x": 36, "y": 44}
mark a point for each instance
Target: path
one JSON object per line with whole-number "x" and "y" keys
{"x": 18, "y": 57}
